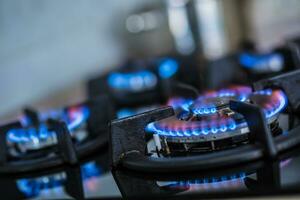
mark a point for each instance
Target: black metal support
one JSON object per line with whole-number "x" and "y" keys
{"x": 268, "y": 178}
{"x": 64, "y": 142}
{"x": 128, "y": 144}
{"x": 131, "y": 186}
{"x": 294, "y": 47}
{"x": 184, "y": 90}
{"x": 259, "y": 131}
{"x": 101, "y": 112}
{"x": 74, "y": 181}
{"x": 3, "y": 141}
{"x": 128, "y": 134}
{"x": 134, "y": 184}
{"x": 32, "y": 115}
{"x": 289, "y": 83}
{"x": 65, "y": 151}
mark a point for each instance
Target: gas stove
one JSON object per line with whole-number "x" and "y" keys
{"x": 234, "y": 141}
{"x": 217, "y": 130}
{"x": 38, "y": 141}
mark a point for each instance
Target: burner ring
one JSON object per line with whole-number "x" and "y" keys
{"x": 34, "y": 138}
{"x": 210, "y": 102}
{"x": 218, "y": 126}
{"x": 86, "y": 120}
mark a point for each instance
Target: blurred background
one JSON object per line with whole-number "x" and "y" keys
{"x": 49, "y": 49}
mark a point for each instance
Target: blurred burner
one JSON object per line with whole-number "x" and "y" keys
{"x": 37, "y": 136}
{"x": 132, "y": 81}
{"x": 208, "y": 123}
{"x": 258, "y": 65}
{"x": 52, "y": 138}
{"x": 243, "y": 128}
{"x": 141, "y": 82}
{"x": 262, "y": 63}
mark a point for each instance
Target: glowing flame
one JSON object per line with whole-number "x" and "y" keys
{"x": 271, "y": 101}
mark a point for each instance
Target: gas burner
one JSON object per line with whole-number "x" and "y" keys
{"x": 33, "y": 136}
{"x": 142, "y": 82}
{"x": 211, "y": 101}
{"x": 54, "y": 137}
{"x": 132, "y": 81}
{"x": 242, "y": 127}
{"x": 75, "y": 116}
{"x": 262, "y": 63}
{"x": 209, "y": 121}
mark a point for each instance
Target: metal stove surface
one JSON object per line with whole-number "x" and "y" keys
{"x": 90, "y": 179}
{"x": 93, "y": 180}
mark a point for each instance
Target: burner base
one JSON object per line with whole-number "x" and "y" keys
{"x": 175, "y": 148}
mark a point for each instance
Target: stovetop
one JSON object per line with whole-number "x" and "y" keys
{"x": 234, "y": 142}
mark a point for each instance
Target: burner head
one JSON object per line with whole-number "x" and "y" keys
{"x": 262, "y": 63}
{"x": 53, "y": 138}
{"x": 209, "y": 121}
{"x": 32, "y": 137}
{"x": 127, "y": 112}
{"x": 145, "y": 81}
{"x": 212, "y": 101}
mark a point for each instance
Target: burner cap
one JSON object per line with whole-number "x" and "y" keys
{"x": 211, "y": 101}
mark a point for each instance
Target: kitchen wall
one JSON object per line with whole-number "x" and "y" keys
{"x": 270, "y": 22}
{"x": 50, "y": 47}
{"x": 47, "y": 46}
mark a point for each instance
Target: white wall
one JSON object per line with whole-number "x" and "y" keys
{"x": 270, "y": 22}
{"x": 48, "y": 45}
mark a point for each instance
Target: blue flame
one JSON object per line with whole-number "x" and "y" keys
{"x": 275, "y": 110}
{"x": 167, "y": 68}
{"x": 153, "y": 127}
{"x": 180, "y": 103}
{"x": 32, "y": 187}
{"x": 133, "y": 81}
{"x": 201, "y": 107}
{"x": 89, "y": 170}
{"x": 187, "y": 129}
{"x": 29, "y": 134}
{"x": 204, "y": 109}
{"x": 267, "y": 92}
{"x": 216, "y": 181}
{"x": 125, "y": 112}
{"x": 252, "y": 61}
{"x": 80, "y": 117}
{"x": 35, "y": 134}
